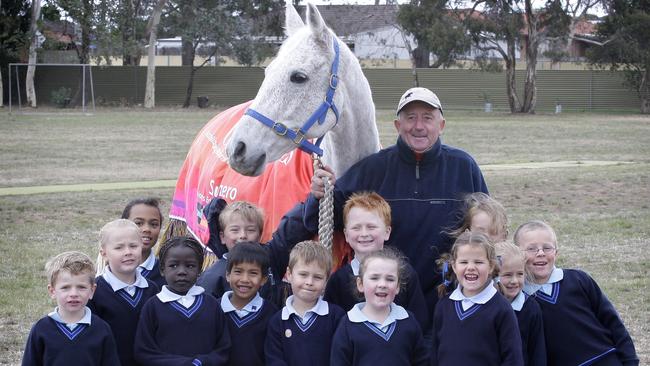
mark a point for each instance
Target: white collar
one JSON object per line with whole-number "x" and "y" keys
{"x": 149, "y": 263}
{"x": 355, "y": 264}
{"x": 396, "y": 313}
{"x": 481, "y": 298}
{"x": 556, "y": 276}
{"x": 84, "y": 320}
{"x": 166, "y": 295}
{"x": 518, "y": 302}
{"x": 253, "y": 306}
{"x": 117, "y": 284}
{"x": 320, "y": 308}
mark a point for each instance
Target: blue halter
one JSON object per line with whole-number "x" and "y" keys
{"x": 297, "y": 135}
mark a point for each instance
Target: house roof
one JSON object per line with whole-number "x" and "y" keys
{"x": 346, "y": 20}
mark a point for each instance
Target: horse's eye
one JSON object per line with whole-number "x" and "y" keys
{"x": 298, "y": 77}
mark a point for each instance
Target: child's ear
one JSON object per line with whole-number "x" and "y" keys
{"x": 92, "y": 290}
{"x": 359, "y": 284}
{"x": 388, "y": 231}
{"x": 50, "y": 290}
{"x": 222, "y": 237}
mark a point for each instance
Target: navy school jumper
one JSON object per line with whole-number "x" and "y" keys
{"x": 581, "y": 325}
{"x": 364, "y": 344}
{"x": 248, "y": 335}
{"x": 53, "y": 344}
{"x": 121, "y": 311}
{"x": 426, "y": 198}
{"x": 484, "y": 334}
{"x": 154, "y": 275}
{"x": 291, "y": 343}
{"x": 341, "y": 289}
{"x": 170, "y": 334}
{"x": 531, "y": 329}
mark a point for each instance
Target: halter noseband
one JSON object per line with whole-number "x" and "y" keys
{"x": 297, "y": 135}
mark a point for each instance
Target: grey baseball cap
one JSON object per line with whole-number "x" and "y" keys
{"x": 419, "y": 94}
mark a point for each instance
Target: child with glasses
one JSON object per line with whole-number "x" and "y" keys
{"x": 581, "y": 325}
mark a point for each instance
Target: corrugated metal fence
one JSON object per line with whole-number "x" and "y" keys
{"x": 576, "y": 90}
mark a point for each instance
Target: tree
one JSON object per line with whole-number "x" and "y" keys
{"x": 436, "y": 30}
{"x": 80, "y": 12}
{"x": 33, "y": 41}
{"x": 152, "y": 30}
{"x": 497, "y": 30}
{"x": 14, "y": 28}
{"x": 626, "y": 46}
{"x": 213, "y": 29}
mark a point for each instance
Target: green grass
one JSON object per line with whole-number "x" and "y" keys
{"x": 601, "y": 213}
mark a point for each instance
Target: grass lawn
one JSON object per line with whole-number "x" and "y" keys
{"x": 601, "y": 213}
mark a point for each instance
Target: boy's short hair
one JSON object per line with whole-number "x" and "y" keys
{"x": 369, "y": 201}
{"x": 310, "y": 251}
{"x": 247, "y": 210}
{"x": 74, "y": 262}
{"x": 532, "y": 226}
{"x": 249, "y": 252}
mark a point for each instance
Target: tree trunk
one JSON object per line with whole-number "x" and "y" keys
{"x": 190, "y": 85}
{"x": 86, "y": 24}
{"x": 532, "y": 46}
{"x": 511, "y": 85}
{"x": 421, "y": 55}
{"x": 129, "y": 43}
{"x": 29, "y": 79}
{"x": 150, "y": 90}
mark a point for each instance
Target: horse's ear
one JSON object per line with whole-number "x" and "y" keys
{"x": 292, "y": 21}
{"x": 315, "y": 21}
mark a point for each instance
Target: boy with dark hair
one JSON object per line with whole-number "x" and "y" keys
{"x": 247, "y": 313}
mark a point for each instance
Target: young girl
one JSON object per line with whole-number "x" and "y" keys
{"x": 182, "y": 325}
{"x": 474, "y": 325}
{"x": 580, "y": 324}
{"x": 511, "y": 262}
{"x": 485, "y": 215}
{"x": 145, "y": 212}
{"x": 378, "y": 332}
{"x": 121, "y": 290}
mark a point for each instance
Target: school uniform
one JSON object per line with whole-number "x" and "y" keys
{"x": 293, "y": 340}
{"x": 581, "y": 325}
{"x": 150, "y": 269}
{"x": 341, "y": 289}
{"x": 53, "y": 342}
{"x": 185, "y": 329}
{"x": 119, "y": 304}
{"x": 247, "y": 329}
{"x": 360, "y": 341}
{"x": 531, "y": 329}
{"x": 477, "y": 330}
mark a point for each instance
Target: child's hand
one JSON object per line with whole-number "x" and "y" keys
{"x": 317, "y": 184}
{"x": 211, "y": 213}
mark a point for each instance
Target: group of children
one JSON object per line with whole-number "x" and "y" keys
{"x": 501, "y": 303}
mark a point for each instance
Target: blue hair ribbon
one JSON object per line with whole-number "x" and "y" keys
{"x": 445, "y": 270}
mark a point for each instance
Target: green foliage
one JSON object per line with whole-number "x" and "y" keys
{"x": 61, "y": 97}
{"x": 625, "y": 32}
{"x": 435, "y": 28}
{"x": 14, "y": 28}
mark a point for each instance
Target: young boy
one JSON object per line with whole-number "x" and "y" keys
{"x": 121, "y": 290}
{"x": 240, "y": 222}
{"x": 301, "y": 334}
{"x": 247, "y": 314}
{"x": 581, "y": 326}
{"x": 367, "y": 219}
{"x": 71, "y": 334}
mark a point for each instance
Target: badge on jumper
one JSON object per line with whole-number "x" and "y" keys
{"x": 287, "y": 333}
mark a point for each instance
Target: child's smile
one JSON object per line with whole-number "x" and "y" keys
{"x": 472, "y": 268}
{"x": 541, "y": 252}
{"x": 245, "y": 280}
{"x": 511, "y": 277}
{"x": 380, "y": 283}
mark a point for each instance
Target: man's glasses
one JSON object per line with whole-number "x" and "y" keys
{"x": 545, "y": 249}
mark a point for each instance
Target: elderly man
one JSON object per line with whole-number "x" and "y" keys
{"x": 423, "y": 180}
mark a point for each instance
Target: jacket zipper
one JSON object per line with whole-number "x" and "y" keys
{"x": 417, "y": 176}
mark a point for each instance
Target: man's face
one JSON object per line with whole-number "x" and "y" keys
{"x": 419, "y": 125}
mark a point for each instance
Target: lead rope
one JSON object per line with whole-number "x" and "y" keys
{"x": 325, "y": 212}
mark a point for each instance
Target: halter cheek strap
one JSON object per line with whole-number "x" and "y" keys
{"x": 297, "y": 135}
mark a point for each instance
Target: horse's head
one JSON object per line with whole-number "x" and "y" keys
{"x": 295, "y": 86}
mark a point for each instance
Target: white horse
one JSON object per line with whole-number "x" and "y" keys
{"x": 314, "y": 75}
